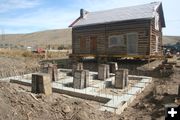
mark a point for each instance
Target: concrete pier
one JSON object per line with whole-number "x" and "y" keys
{"x": 41, "y": 83}
{"x": 126, "y": 77}
{"x": 77, "y": 66}
{"x": 121, "y": 78}
{"x": 103, "y": 71}
{"x": 52, "y": 70}
{"x": 87, "y": 78}
{"x": 113, "y": 67}
{"x": 81, "y": 79}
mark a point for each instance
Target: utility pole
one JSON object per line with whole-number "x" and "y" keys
{"x": 46, "y": 51}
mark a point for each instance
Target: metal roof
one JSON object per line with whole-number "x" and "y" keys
{"x": 145, "y": 11}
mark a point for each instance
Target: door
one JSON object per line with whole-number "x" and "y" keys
{"x": 93, "y": 44}
{"x": 132, "y": 43}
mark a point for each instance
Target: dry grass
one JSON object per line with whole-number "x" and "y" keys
{"x": 17, "y": 62}
{"x": 57, "y": 54}
{"x": 15, "y": 53}
{"x": 25, "y": 54}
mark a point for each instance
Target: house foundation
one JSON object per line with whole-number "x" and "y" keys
{"x": 113, "y": 100}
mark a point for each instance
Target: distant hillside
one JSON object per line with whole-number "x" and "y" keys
{"x": 54, "y": 38}
{"x": 171, "y": 39}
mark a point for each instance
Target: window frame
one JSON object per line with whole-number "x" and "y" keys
{"x": 120, "y": 37}
{"x": 156, "y": 18}
{"x": 157, "y": 43}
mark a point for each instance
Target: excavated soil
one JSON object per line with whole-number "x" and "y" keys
{"x": 148, "y": 105}
{"x": 18, "y": 103}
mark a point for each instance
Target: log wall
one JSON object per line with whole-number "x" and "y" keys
{"x": 153, "y": 34}
{"x": 102, "y": 31}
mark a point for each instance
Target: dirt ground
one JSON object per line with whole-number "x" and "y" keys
{"x": 148, "y": 105}
{"x": 18, "y": 103}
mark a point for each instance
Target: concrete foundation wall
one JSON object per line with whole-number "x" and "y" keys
{"x": 82, "y": 95}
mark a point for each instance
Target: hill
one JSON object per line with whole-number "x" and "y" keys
{"x": 54, "y": 38}
{"x": 171, "y": 39}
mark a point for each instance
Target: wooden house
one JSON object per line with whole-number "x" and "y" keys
{"x": 134, "y": 31}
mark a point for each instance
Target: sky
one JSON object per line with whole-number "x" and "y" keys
{"x": 26, "y": 16}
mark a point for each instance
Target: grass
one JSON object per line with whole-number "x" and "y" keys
{"x": 29, "y": 54}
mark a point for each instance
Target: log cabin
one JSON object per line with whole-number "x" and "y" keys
{"x": 134, "y": 31}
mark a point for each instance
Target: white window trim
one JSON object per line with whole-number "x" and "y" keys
{"x": 157, "y": 44}
{"x": 156, "y": 21}
{"x": 121, "y": 38}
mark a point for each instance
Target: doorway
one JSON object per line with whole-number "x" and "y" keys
{"x": 93, "y": 44}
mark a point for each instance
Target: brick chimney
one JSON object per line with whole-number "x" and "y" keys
{"x": 83, "y": 13}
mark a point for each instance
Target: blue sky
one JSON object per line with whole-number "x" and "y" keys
{"x": 26, "y": 16}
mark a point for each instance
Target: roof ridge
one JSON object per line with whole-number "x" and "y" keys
{"x": 157, "y": 2}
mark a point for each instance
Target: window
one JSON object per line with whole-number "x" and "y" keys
{"x": 116, "y": 40}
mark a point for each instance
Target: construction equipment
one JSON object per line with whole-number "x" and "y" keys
{"x": 166, "y": 68}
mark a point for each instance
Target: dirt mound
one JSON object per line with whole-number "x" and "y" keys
{"x": 18, "y": 103}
